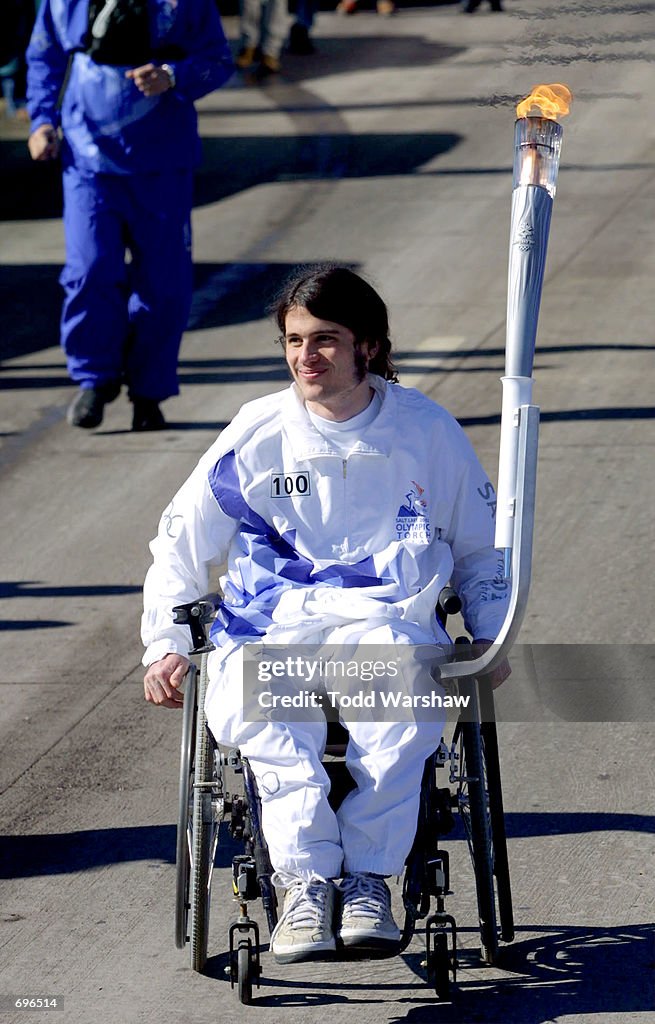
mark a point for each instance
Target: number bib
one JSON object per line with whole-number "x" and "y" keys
{"x": 290, "y": 485}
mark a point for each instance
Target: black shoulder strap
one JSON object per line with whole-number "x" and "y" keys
{"x": 119, "y": 32}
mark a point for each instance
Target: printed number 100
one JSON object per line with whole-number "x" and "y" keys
{"x": 286, "y": 486}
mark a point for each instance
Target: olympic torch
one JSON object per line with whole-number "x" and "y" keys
{"x": 537, "y": 145}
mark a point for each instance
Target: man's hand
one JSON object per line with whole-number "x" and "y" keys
{"x": 44, "y": 143}
{"x": 150, "y": 79}
{"x": 163, "y": 678}
{"x": 498, "y": 674}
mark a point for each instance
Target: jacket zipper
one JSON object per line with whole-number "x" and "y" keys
{"x": 346, "y": 538}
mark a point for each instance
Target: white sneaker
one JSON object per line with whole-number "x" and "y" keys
{"x": 366, "y": 918}
{"x": 304, "y": 930}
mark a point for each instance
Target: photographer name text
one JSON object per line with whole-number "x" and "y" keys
{"x": 268, "y": 700}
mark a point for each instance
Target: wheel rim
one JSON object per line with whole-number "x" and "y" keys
{"x": 204, "y": 831}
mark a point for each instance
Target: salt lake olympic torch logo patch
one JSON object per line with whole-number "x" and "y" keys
{"x": 412, "y": 521}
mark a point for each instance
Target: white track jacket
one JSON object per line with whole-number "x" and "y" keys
{"x": 313, "y": 540}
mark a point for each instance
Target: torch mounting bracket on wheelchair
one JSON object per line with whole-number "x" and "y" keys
{"x": 196, "y": 615}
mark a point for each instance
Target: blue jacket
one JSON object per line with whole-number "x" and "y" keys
{"x": 108, "y": 125}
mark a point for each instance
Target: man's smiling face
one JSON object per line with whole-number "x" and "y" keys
{"x": 321, "y": 357}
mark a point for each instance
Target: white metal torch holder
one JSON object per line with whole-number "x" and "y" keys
{"x": 536, "y": 162}
{"x": 521, "y": 567}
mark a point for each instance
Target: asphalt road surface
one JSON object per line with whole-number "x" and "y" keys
{"x": 389, "y": 149}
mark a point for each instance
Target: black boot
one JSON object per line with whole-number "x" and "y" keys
{"x": 147, "y": 415}
{"x": 88, "y": 407}
{"x": 299, "y": 41}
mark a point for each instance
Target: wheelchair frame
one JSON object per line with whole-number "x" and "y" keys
{"x": 473, "y": 770}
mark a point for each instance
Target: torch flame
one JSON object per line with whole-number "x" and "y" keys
{"x": 551, "y": 101}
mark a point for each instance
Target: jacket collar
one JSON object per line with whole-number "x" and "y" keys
{"x": 306, "y": 441}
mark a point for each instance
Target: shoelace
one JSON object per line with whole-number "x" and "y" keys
{"x": 306, "y": 906}
{"x": 365, "y": 896}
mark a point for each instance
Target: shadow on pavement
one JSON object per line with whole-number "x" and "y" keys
{"x": 238, "y": 293}
{"x": 28, "y": 190}
{"x": 33, "y": 588}
{"x": 570, "y": 415}
{"x": 562, "y": 972}
{"x": 25, "y": 856}
{"x": 565, "y": 972}
{"x": 233, "y": 164}
{"x": 30, "y": 300}
{"x": 11, "y": 589}
{"x": 559, "y": 972}
{"x": 212, "y": 425}
{"x": 336, "y": 55}
{"x": 224, "y": 294}
{"x": 29, "y": 625}
{"x": 68, "y": 852}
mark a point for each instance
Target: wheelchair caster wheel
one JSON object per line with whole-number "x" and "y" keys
{"x": 438, "y": 964}
{"x": 245, "y": 966}
{"x": 245, "y": 971}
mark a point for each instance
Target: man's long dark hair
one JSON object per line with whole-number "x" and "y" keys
{"x": 335, "y": 293}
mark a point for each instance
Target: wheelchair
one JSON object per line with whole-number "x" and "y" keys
{"x": 470, "y": 762}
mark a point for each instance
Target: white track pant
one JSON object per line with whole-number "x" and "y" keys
{"x": 264, "y": 23}
{"x": 375, "y": 825}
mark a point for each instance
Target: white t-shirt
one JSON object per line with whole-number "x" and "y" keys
{"x": 345, "y": 433}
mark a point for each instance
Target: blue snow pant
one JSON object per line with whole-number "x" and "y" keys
{"x": 123, "y": 321}
{"x": 305, "y": 12}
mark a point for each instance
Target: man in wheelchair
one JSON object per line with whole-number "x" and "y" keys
{"x": 342, "y": 506}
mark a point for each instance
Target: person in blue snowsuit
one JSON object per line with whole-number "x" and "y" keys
{"x": 111, "y": 87}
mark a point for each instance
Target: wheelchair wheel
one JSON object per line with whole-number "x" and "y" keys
{"x": 244, "y": 972}
{"x": 184, "y": 825}
{"x": 204, "y": 828}
{"x": 497, "y": 817}
{"x": 473, "y": 800}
